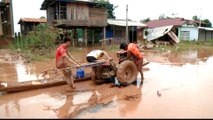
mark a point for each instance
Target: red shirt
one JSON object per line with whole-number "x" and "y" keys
{"x": 60, "y": 52}
{"x": 135, "y": 51}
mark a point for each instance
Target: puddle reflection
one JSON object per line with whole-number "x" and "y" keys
{"x": 24, "y": 74}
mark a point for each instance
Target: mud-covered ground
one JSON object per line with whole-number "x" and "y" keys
{"x": 176, "y": 85}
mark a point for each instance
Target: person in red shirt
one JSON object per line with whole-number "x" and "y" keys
{"x": 134, "y": 53}
{"x": 62, "y": 59}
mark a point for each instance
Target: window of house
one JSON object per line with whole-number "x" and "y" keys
{"x": 185, "y": 35}
{"x": 60, "y": 10}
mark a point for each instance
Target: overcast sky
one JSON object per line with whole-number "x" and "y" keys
{"x": 137, "y": 9}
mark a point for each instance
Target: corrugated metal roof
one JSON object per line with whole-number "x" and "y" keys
{"x": 33, "y": 20}
{"x": 123, "y": 23}
{"x": 46, "y": 3}
{"x": 155, "y": 33}
{"x": 166, "y": 22}
{"x": 205, "y": 28}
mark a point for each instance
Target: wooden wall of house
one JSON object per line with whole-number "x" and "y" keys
{"x": 27, "y": 27}
{"x": 77, "y": 12}
{"x": 1, "y": 31}
{"x": 119, "y": 33}
{"x": 6, "y": 26}
{"x": 98, "y": 17}
{"x": 82, "y": 12}
{"x": 140, "y": 34}
{"x": 50, "y": 15}
{"x": 23, "y": 28}
{"x": 6, "y": 1}
{"x": 79, "y": 15}
{"x": 205, "y": 35}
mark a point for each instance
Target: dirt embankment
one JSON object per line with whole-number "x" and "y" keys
{"x": 5, "y": 42}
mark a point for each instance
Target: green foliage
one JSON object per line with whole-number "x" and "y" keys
{"x": 97, "y": 35}
{"x": 36, "y": 44}
{"x": 195, "y": 18}
{"x": 145, "y": 20}
{"x": 163, "y": 16}
{"x": 186, "y": 45}
{"x": 208, "y": 23}
{"x": 42, "y": 27}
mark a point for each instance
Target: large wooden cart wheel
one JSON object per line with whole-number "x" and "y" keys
{"x": 127, "y": 72}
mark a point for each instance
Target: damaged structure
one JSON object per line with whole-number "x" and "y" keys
{"x": 164, "y": 34}
{"x": 174, "y": 30}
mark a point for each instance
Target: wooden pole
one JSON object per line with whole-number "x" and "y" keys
{"x": 127, "y": 31}
{"x": 104, "y": 37}
{"x": 85, "y": 37}
{"x": 93, "y": 37}
{"x": 1, "y": 29}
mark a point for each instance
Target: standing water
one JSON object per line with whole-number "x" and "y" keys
{"x": 176, "y": 85}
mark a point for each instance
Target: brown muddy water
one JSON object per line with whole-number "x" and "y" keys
{"x": 176, "y": 85}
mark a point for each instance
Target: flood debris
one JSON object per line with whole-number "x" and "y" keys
{"x": 131, "y": 97}
{"x": 158, "y": 93}
{"x": 161, "y": 36}
{"x": 42, "y": 83}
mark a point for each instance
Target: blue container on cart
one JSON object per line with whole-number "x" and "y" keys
{"x": 80, "y": 73}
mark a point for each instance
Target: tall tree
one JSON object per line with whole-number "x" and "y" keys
{"x": 208, "y": 23}
{"x": 108, "y": 6}
{"x": 195, "y": 18}
{"x": 145, "y": 20}
{"x": 162, "y": 16}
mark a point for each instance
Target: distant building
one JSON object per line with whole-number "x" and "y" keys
{"x": 6, "y": 18}
{"x": 185, "y": 29}
{"x": 30, "y": 24}
{"x": 116, "y": 29}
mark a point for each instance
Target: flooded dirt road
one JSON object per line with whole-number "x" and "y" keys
{"x": 176, "y": 85}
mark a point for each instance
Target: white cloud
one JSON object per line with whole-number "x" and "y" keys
{"x": 142, "y": 9}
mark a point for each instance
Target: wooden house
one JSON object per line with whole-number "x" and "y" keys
{"x": 72, "y": 14}
{"x": 30, "y": 24}
{"x": 6, "y": 18}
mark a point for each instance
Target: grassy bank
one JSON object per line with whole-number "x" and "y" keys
{"x": 186, "y": 45}
{"x": 41, "y": 45}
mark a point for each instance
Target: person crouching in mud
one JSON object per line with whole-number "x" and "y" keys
{"x": 134, "y": 52}
{"x": 94, "y": 55}
{"x": 62, "y": 55}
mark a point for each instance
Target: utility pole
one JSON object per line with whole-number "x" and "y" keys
{"x": 200, "y": 17}
{"x": 127, "y": 31}
{"x": 11, "y": 17}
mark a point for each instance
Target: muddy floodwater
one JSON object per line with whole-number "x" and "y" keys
{"x": 176, "y": 85}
